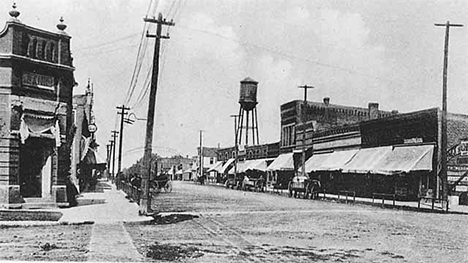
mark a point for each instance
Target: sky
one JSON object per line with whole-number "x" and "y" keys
{"x": 355, "y": 52}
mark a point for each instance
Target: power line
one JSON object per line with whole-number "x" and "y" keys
{"x": 140, "y": 56}
{"x": 146, "y": 84}
{"x": 105, "y": 43}
{"x": 244, "y": 43}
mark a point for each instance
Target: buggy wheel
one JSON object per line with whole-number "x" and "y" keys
{"x": 168, "y": 187}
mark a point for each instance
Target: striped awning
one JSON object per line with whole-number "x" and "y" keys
{"x": 226, "y": 165}
{"x": 216, "y": 167}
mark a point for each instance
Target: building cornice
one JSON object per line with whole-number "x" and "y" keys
{"x": 33, "y": 29}
{"x": 36, "y": 61}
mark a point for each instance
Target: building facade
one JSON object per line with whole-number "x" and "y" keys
{"x": 36, "y": 83}
{"x": 338, "y": 128}
{"x": 86, "y": 165}
{"x": 322, "y": 117}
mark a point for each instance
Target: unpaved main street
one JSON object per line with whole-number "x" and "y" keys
{"x": 237, "y": 226}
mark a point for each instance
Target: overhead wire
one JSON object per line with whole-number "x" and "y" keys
{"x": 281, "y": 53}
{"x": 162, "y": 54}
{"x": 140, "y": 56}
{"x": 104, "y": 43}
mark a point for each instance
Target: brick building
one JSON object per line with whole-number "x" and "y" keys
{"x": 337, "y": 130}
{"x": 322, "y": 117}
{"x": 36, "y": 83}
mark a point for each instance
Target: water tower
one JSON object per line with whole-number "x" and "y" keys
{"x": 248, "y": 120}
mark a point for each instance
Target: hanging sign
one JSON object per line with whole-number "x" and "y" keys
{"x": 92, "y": 128}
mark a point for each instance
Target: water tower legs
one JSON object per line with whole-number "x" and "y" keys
{"x": 250, "y": 119}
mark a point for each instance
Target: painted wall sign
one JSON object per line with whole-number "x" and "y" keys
{"x": 38, "y": 80}
{"x": 413, "y": 140}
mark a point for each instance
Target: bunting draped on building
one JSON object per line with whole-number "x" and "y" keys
{"x": 39, "y": 126}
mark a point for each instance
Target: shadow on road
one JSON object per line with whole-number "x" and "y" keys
{"x": 171, "y": 219}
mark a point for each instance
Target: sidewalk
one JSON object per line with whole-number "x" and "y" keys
{"x": 107, "y": 209}
{"x": 108, "y": 206}
{"x": 405, "y": 205}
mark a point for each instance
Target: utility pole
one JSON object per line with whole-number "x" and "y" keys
{"x": 443, "y": 156}
{"x": 114, "y": 136}
{"x": 303, "y": 120}
{"x": 145, "y": 202}
{"x": 122, "y": 113}
{"x": 201, "y": 153}
{"x": 235, "y": 142}
{"x": 108, "y": 158}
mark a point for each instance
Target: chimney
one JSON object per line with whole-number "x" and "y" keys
{"x": 373, "y": 110}
{"x": 326, "y": 101}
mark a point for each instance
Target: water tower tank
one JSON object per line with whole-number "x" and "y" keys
{"x": 248, "y": 94}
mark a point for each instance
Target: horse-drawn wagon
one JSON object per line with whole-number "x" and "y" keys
{"x": 303, "y": 184}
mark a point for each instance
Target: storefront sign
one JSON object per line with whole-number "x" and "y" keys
{"x": 413, "y": 140}
{"x": 38, "y": 80}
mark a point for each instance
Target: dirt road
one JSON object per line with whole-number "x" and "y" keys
{"x": 236, "y": 226}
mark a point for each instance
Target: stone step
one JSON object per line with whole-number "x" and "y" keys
{"x": 37, "y": 200}
{"x": 38, "y": 205}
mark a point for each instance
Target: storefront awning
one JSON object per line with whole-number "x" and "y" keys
{"x": 226, "y": 165}
{"x": 252, "y": 165}
{"x": 259, "y": 164}
{"x": 337, "y": 160}
{"x": 404, "y": 159}
{"x": 284, "y": 162}
{"x": 315, "y": 162}
{"x": 241, "y": 167}
{"x": 366, "y": 160}
{"x": 216, "y": 167}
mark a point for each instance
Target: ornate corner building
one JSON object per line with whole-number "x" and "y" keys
{"x": 36, "y": 84}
